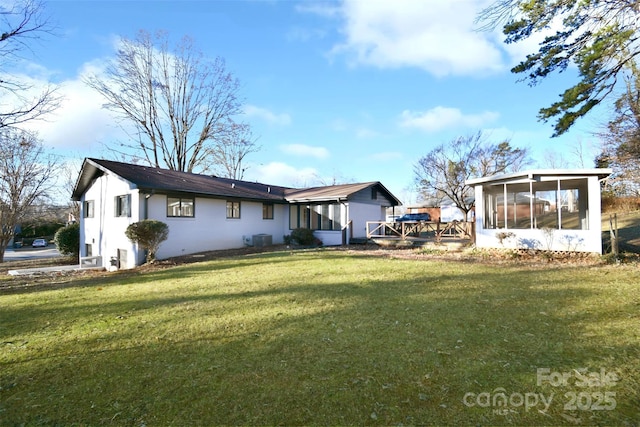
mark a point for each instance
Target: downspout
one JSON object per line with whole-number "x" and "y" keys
{"x": 147, "y": 196}
{"x": 347, "y": 220}
{"x": 102, "y": 220}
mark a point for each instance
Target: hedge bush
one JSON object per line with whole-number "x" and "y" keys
{"x": 67, "y": 240}
{"x": 149, "y": 234}
{"x": 303, "y": 236}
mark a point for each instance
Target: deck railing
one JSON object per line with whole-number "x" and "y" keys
{"x": 417, "y": 229}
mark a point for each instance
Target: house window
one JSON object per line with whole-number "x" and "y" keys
{"x": 123, "y": 205}
{"x": 293, "y": 217}
{"x": 233, "y": 210}
{"x": 88, "y": 250}
{"x": 336, "y": 216}
{"x": 267, "y": 211}
{"x": 88, "y": 209}
{"x": 315, "y": 217}
{"x": 180, "y": 207}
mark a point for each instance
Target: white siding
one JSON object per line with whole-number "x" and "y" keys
{"x": 210, "y": 229}
{"x": 360, "y": 213}
{"x": 329, "y": 237}
{"x": 105, "y": 232}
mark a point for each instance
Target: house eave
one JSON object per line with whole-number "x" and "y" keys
{"x": 90, "y": 171}
{"x": 340, "y": 199}
{"x": 536, "y": 174}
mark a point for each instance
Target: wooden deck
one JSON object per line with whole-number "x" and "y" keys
{"x": 420, "y": 230}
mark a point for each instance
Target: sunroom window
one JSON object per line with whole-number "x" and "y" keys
{"x": 542, "y": 204}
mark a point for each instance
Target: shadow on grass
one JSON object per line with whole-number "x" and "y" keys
{"x": 55, "y": 281}
{"x": 628, "y": 232}
{"x": 331, "y": 348}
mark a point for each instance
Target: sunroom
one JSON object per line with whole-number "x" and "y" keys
{"x": 556, "y": 210}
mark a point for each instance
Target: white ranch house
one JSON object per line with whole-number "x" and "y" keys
{"x": 558, "y": 210}
{"x": 209, "y": 213}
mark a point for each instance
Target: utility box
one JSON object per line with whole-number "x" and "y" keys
{"x": 260, "y": 240}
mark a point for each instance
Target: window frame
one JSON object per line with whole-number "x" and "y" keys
{"x": 88, "y": 209}
{"x": 183, "y": 204}
{"x": 122, "y": 206}
{"x": 267, "y": 211}
{"x": 234, "y": 212}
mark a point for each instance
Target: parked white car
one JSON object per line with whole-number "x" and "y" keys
{"x": 39, "y": 243}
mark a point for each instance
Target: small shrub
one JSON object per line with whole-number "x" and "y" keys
{"x": 287, "y": 239}
{"x": 504, "y": 235}
{"x": 149, "y": 234}
{"x": 303, "y": 236}
{"x": 549, "y": 235}
{"x": 513, "y": 254}
{"x": 67, "y": 240}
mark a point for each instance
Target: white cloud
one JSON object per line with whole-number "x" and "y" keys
{"x": 278, "y": 173}
{"x": 268, "y": 116}
{"x": 322, "y": 9}
{"x": 440, "y": 118}
{"x": 435, "y": 35}
{"x": 305, "y": 151}
{"x": 79, "y": 121}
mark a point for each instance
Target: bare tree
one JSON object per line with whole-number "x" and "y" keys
{"x": 25, "y": 179}
{"x": 68, "y": 173}
{"x": 552, "y": 159}
{"x": 442, "y": 173}
{"x": 21, "y": 23}
{"x": 179, "y": 103}
{"x": 229, "y": 152}
{"x": 578, "y": 151}
{"x": 620, "y": 138}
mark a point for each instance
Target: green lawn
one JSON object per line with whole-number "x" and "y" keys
{"x": 326, "y": 337}
{"x": 628, "y": 231}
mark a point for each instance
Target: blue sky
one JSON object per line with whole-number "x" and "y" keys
{"x": 355, "y": 90}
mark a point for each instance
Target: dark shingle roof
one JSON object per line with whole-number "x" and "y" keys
{"x": 147, "y": 178}
{"x": 151, "y": 179}
{"x": 335, "y": 192}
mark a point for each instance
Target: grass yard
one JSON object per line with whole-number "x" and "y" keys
{"x": 628, "y": 231}
{"x": 326, "y": 337}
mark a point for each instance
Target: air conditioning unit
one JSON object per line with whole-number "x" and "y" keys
{"x": 260, "y": 240}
